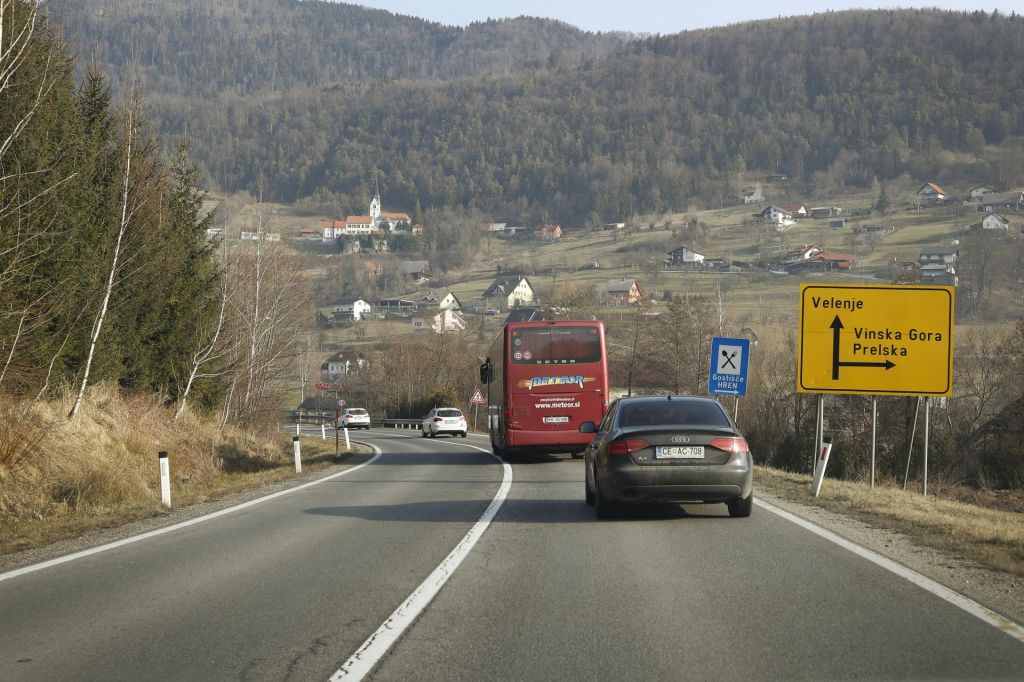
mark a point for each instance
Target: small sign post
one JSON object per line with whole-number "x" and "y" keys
{"x": 730, "y": 359}
{"x": 476, "y": 400}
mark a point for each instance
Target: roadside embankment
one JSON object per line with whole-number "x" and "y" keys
{"x": 61, "y": 478}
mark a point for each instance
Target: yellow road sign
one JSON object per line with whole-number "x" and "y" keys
{"x": 876, "y": 340}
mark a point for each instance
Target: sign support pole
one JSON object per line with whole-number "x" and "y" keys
{"x": 874, "y": 431}
{"x": 819, "y": 431}
{"x": 926, "y": 447}
{"x": 910, "y": 450}
{"x": 736, "y": 409}
{"x": 476, "y": 411}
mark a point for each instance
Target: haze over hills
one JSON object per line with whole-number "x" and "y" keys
{"x": 533, "y": 120}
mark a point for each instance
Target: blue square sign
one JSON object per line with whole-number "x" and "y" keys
{"x": 729, "y": 362}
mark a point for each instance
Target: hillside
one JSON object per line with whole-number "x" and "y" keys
{"x": 832, "y": 100}
{"x": 255, "y": 47}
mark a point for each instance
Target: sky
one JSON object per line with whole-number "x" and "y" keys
{"x": 651, "y": 16}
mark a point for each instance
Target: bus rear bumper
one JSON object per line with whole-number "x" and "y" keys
{"x": 550, "y": 441}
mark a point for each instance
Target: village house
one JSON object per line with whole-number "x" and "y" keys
{"x": 414, "y": 269}
{"x": 773, "y": 215}
{"x": 753, "y": 196}
{"x": 822, "y": 261}
{"x": 978, "y": 194}
{"x": 351, "y": 309}
{"x": 931, "y": 193}
{"x": 510, "y": 291}
{"x": 341, "y": 364}
{"x": 684, "y": 257}
{"x": 1003, "y": 201}
{"x": 622, "y": 292}
{"x": 994, "y": 221}
{"x": 549, "y": 233}
{"x": 938, "y": 266}
{"x": 440, "y": 322}
{"x": 796, "y": 210}
{"x": 805, "y": 252}
{"x": 442, "y": 300}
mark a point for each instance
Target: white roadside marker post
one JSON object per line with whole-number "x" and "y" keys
{"x": 298, "y": 454}
{"x": 297, "y": 425}
{"x": 323, "y": 431}
{"x": 348, "y": 443}
{"x": 819, "y": 470}
{"x": 165, "y": 479}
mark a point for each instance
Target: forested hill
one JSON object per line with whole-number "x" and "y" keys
{"x": 250, "y": 47}
{"x": 833, "y": 100}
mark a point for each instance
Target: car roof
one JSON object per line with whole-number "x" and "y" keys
{"x": 664, "y": 398}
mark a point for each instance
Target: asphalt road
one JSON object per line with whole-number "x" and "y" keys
{"x": 290, "y": 588}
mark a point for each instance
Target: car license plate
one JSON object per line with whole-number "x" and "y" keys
{"x": 556, "y": 420}
{"x": 679, "y": 452}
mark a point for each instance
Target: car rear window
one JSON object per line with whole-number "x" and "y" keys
{"x": 358, "y": 411}
{"x": 449, "y": 413}
{"x": 674, "y": 412}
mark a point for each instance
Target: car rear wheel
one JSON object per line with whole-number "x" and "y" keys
{"x": 588, "y": 494}
{"x": 463, "y": 434}
{"x": 423, "y": 434}
{"x": 740, "y": 507}
{"x": 605, "y": 508}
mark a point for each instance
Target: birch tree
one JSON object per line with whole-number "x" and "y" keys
{"x": 129, "y": 204}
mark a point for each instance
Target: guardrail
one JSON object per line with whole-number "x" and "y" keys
{"x": 317, "y": 418}
{"x": 397, "y": 423}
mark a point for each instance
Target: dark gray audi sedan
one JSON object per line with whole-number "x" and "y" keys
{"x": 667, "y": 449}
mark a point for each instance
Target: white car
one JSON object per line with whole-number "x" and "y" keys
{"x": 354, "y": 418}
{"x": 444, "y": 420}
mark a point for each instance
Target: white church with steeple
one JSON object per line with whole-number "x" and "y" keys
{"x": 364, "y": 224}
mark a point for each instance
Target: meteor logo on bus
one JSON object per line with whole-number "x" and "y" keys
{"x": 555, "y": 381}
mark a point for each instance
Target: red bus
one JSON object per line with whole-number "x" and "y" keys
{"x": 543, "y": 380}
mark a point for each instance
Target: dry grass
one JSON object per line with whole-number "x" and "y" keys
{"x": 59, "y": 479}
{"x": 991, "y": 535}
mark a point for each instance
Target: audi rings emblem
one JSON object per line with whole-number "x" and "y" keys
{"x": 680, "y": 439}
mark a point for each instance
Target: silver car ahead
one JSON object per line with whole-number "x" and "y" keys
{"x": 667, "y": 449}
{"x": 444, "y": 420}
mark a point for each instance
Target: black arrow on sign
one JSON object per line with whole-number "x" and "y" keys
{"x": 836, "y": 325}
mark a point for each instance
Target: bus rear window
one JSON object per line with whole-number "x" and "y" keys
{"x": 555, "y": 345}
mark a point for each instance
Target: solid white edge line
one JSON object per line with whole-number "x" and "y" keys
{"x": 183, "y": 524}
{"x": 377, "y": 645}
{"x": 955, "y": 598}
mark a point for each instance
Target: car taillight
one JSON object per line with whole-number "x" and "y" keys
{"x": 733, "y": 446}
{"x": 438, "y": 419}
{"x": 627, "y": 446}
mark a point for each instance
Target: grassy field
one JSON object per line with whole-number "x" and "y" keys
{"x": 981, "y": 526}
{"x": 758, "y": 300}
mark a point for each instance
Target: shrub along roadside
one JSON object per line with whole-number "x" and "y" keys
{"x": 59, "y": 479}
